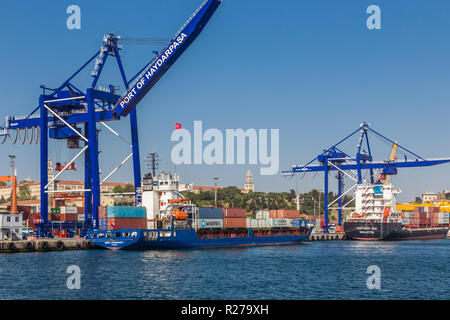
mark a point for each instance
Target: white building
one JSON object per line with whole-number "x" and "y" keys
{"x": 249, "y": 186}
{"x": 10, "y": 226}
{"x": 430, "y": 196}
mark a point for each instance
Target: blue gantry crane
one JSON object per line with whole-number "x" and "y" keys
{"x": 334, "y": 159}
{"x": 69, "y": 113}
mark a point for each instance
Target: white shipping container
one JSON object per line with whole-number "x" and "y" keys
{"x": 81, "y": 217}
{"x": 269, "y": 223}
{"x": 210, "y": 223}
{"x": 266, "y": 215}
{"x": 261, "y": 223}
{"x": 254, "y": 223}
{"x": 405, "y": 221}
{"x": 281, "y": 223}
{"x": 259, "y": 214}
{"x": 248, "y": 222}
{"x": 68, "y": 210}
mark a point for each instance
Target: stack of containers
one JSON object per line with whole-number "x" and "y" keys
{"x": 80, "y": 214}
{"x": 102, "y": 218}
{"x": 406, "y": 217}
{"x": 433, "y": 215}
{"x": 234, "y": 218}
{"x": 210, "y": 218}
{"x": 443, "y": 218}
{"x": 68, "y": 214}
{"x": 420, "y": 216}
{"x": 126, "y": 218}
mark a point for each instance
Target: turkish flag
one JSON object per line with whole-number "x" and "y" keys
{"x": 177, "y": 125}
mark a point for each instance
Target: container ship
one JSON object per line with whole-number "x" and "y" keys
{"x": 168, "y": 220}
{"x": 376, "y": 217}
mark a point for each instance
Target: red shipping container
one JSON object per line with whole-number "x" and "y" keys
{"x": 273, "y": 214}
{"x": 54, "y": 217}
{"x": 234, "y": 213}
{"x": 80, "y": 210}
{"x": 288, "y": 214}
{"x": 101, "y": 212}
{"x": 235, "y": 222}
{"x": 68, "y": 217}
{"x": 126, "y": 223}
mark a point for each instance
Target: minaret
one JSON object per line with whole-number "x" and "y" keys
{"x": 51, "y": 175}
{"x": 249, "y": 186}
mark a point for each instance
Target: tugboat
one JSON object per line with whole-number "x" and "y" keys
{"x": 376, "y": 217}
{"x": 173, "y": 222}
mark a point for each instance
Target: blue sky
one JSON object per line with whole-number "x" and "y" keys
{"x": 309, "y": 68}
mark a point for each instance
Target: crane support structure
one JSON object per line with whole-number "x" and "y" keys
{"x": 334, "y": 159}
{"x": 68, "y": 113}
{"x": 13, "y": 181}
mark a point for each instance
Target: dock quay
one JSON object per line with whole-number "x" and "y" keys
{"x": 55, "y": 244}
{"x": 326, "y": 236}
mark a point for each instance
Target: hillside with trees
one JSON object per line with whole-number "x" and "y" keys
{"x": 253, "y": 201}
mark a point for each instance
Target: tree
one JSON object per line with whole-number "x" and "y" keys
{"x": 24, "y": 193}
{"x": 418, "y": 200}
{"x": 118, "y": 189}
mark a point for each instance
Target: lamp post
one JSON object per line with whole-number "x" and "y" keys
{"x": 215, "y": 191}
{"x": 13, "y": 200}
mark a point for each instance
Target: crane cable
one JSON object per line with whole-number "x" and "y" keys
{"x": 146, "y": 41}
{"x": 10, "y": 140}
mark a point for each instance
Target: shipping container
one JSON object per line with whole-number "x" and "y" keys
{"x": 126, "y": 212}
{"x": 68, "y": 217}
{"x": 281, "y": 223}
{"x": 266, "y": 215}
{"x": 234, "y": 213}
{"x": 259, "y": 214}
{"x": 261, "y": 223}
{"x": 81, "y": 217}
{"x": 288, "y": 214}
{"x": 210, "y": 213}
{"x": 234, "y": 222}
{"x": 102, "y": 224}
{"x": 254, "y": 223}
{"x": 269, "y": 223}
{"x": 273, "y": 214}
{"x": 210, "y": 223}
{"x": 64, "y": 210}
{"x": 101, "y": 212}
{"x": 126, "y": 223}
{"x": 299, "y": 223}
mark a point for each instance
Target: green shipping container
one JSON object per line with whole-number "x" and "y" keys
{"x": 126, "y": 212}
{"x": 55, "y": 210}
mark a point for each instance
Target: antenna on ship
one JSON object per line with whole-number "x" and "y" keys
{"x": 152, "y": 160}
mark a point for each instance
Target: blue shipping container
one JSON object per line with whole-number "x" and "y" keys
{"x": 299, "y": 223}
{"x": 378, "y": 190}
{"x": 126, "y": 212}
{"x": 102, "y": 224}
{"x": 210, "y": 213}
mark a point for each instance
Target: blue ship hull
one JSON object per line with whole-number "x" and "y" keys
{"x": 142, "y": 239}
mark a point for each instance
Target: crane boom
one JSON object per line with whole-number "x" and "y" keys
{"x": 391, "y": 158}
{"x": 154, "y": 70}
